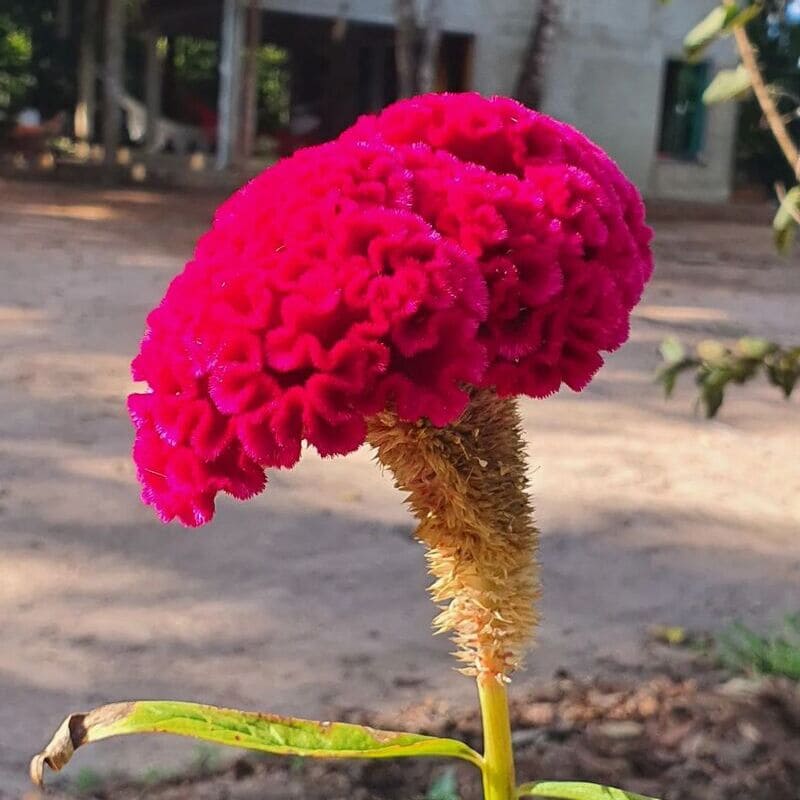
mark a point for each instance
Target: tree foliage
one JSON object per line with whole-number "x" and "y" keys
{"x": 15, "y": 64}
{"x": 37, "y": 65}
{"x": 716, "y": 367}
{"x": 766, "y": 47}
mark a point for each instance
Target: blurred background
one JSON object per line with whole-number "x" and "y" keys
{"x": 123, "y": 123}
{"x": 158, "y": 87}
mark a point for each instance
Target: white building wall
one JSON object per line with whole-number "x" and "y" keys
{"x": 500, "y": 42}
{"x": 710, "y": 178}
{"x": 605, "y": 76}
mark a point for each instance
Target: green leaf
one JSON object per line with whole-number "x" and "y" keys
{"x": 672, "y": 350}
{"x": 712, "y": 397}
{"x": 667, "y": 376}
{"x": 784, "y": 376}
{"x": 745, "y": 16}
{"x": 728, "y": 84}
{"x": 575, "y": 790}
{"x": 246, "y": 729}
{"x": 754, "y": 347}
{"x": 712, "y": 351}
{"x": 786, "y": 221}
{"x": 714, "y": 25}
{"x": 712, "y": 390}
{"x": 744, "y": 369}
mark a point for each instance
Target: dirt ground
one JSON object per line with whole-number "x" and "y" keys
{"x": 311, "y": 598}
{"x": 685, "y": 732}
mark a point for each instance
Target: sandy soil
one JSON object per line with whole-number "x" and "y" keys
{"x": 312, "y": 596}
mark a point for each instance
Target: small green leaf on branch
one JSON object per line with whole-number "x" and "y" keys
{"x": 787, "y": 220}
{"x": 675, "y": 362}
{"x": 575, "y": 790}
{"x": 668, "y": 375}
{"x": 672, "y": 350}
{"x": 715, "y": 366}
{"x": 754, "y": 347}
{"x": 709, "y": 29}
{"x": 712, "y": 351}
{"x": 783, "y": 370}
{"x": 745, "y": 16}
{"x": 728, "y": 84}
{"x": 712, "y": 389}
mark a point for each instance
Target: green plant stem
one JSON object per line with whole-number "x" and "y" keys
{"x": 498, "y": 755}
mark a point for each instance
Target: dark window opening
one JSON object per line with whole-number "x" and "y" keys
{"x": 683, "y": 116}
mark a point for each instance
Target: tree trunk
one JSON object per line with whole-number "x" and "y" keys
{"x": 338, "y": 108}
{"x": 87, "y": 74}
{"x": 63, "y": 18}
{"x": 533, "y": 70}
{"x": 152, "y": 87}
{"x": 405, "y": 44}
{"x": 169, "y": 98}
{"x": 250, "y": 81}
{"x": 431, "y": 42}
{"x": 114, "y": 79}
{"x": 230, "y": 75}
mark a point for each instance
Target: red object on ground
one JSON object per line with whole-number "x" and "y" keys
{"x": 203, "y": 116}
{"x": 33, "y": 140}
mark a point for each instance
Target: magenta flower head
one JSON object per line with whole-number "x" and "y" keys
{"x": 450, "y": 244}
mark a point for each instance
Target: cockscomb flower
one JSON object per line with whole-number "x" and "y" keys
{"x": 401, "y": 284}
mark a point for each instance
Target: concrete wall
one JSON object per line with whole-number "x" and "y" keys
{"x": 707, "y": 180}
{"x": 605, "y": 77}
{"x": 710, "y": 178}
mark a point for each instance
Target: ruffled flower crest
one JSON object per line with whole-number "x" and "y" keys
{"x": 452, "y": 243}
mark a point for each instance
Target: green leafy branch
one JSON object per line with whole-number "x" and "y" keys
{"x": 716, "y": 366}
{"x": 731, "y": 19}
{"x": 720, "y": 21}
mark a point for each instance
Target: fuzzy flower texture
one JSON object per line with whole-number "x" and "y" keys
{"x": 449, "y": 244}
